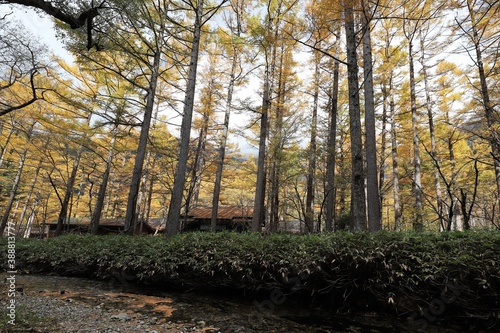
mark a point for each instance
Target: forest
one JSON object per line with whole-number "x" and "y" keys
{"x": 360, "y": 115}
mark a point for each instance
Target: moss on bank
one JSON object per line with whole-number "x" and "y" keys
{"x": 445, "y": 274}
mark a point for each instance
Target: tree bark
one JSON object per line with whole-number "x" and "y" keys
{"x": 131, "y": 213}
{"x": 96, "y": 216}
{"x": 260, "y": 190}
{"x": 311, "y": 176}
{"x": 13, "y": 192}
{"x": 173, "y": 217}
{"x": 332, "y": 139}
{"x": 358, "y": 197}
{"x": 432, "y": 133}
{"x": 222, "y": 147}
{"x": 489, "y": 111}
{"x": 373, "y": 197}
{"x": 28, "y": 197}
{"x": 417, "y": 176}
{"x": 63, "y": 212}
{"x": 398, "y": 212}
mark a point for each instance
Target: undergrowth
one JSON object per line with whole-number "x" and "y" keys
{"x": 401, "y": 272}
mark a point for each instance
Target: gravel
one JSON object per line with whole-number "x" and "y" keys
{"x": 43, "y": 312}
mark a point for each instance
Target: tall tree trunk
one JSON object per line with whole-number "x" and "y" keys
{"x": 260, "y": 190}
{"x": 358, "y": 197}
{"x": 432, "y": 132}
{"x": 383, "y": 146}
{"x": 13, "y": 192}
{"x": 330, "y": 161}
{"x": 131, "y": 213}
{"x": 197, "y": 168}
{"x": 68, "y": 193}
{"x": 489, "y": 112}
{"x": 65, "y": 202}
{"x": 398, "y": 211}
{"x": 373, "y": 197}
{"x": 96, "y": 216}
{"x": 417, "y": 176}
{"x": 309, "y": 218}
{"x": 223, "y": 143}
{"x": 28, "y": 197}
{"x": 4, "y": 150}
{"x": 173, "y": 217}
{"x": 31, "y": 218}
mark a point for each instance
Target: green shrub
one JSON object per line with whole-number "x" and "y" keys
{"x": 398, "y": 271}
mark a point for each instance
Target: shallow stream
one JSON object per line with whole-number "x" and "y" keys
{"x": 224, "y": 313}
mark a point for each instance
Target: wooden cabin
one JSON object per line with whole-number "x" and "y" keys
{"x": 237, "y": 218}
{"x": 106, "y": 227}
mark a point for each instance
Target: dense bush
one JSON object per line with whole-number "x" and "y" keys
{"x": 397, "y": 271}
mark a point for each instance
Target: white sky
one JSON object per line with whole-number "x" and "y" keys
{"x": 39, "y": 26}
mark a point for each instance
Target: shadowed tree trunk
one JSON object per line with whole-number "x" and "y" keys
{"x": 131, "y": 213}
{"x": 13, "y": 193}
{"x": 96, "y": 216}
{"x": 173, "y": 217}
{"x": 330, "y": 164}
{"x": 260, "y": 191}
{"x": 373, "y": 197}
{"x": 358, "y": 197}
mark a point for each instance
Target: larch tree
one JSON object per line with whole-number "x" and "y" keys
{"x": 266, "y": 34}
{"x": 372, "y": 189}
{"x": 480, "y": 28}
{"x": 28, "y": 131}
{"x": 358, "y": 197}
{"x": 201, "y": 14}
{"x": 236, "y": 22}
{"x": 414, "y": 15}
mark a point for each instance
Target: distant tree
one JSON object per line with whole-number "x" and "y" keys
{"x": 76, "y": 16}
{"x": 21, "y": 62}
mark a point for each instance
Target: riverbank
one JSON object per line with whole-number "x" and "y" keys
{"x": 425, "y": 278}
{"x": 55, "y": 304}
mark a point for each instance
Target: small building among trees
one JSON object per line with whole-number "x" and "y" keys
{"x": 237, "y": 218}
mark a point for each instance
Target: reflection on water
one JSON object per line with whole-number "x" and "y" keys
{"x": 228, "y": 313}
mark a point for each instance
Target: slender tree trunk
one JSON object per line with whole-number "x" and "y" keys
{"x": 491, "y": 118}
{"x": 13, "y": 192}
{"x": 373, "y": 197}
{"x": 223, "y": 143}
{"x": 358, "y": 197}
{"x": 4, "y": 150}
{"x": 197, "y": 168}
{"x": 417, "y": 176}
{"x": 398, "y": 212}
{"x": 260, "y": 191}
{"x": 383, "y": 146}
{"x": 31, "y": 218}
{"x": 96, "y": 216}
{"x": 173, "y": 218}
{"x": 432, "y": 132}
{"x": 65, "y": 203}
{"x": 131, "y": 213}
{"x": 330, "y": 162}
{"x": 68, "y": 193}
{"x": 28, "y": 198}
{"x": 311, "y": 176}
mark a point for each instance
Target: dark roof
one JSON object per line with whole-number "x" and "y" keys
{"x": 224, "y": 212}
{"x": 86, "y": 222}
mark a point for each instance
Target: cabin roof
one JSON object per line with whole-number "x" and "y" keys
{"x": 224, "y": 212}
